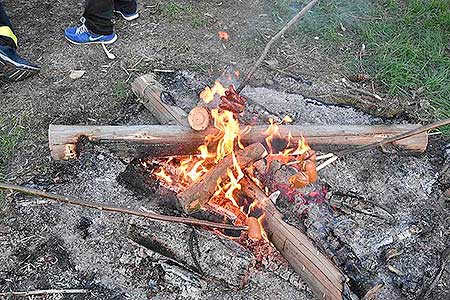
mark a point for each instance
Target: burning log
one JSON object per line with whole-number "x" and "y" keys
{"x": 204, "y": 252}
{"x": 157, "y": 140}
{"x": 149, "y": 91}
{"x": 201, "y": 191}
{"x": 321, "y": 275}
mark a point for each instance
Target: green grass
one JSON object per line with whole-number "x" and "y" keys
{"x": 407, "y": 43}
{"x": 10, "y": 137}
{"x": 120, "y": 93}
{"x": 177, "y": 11}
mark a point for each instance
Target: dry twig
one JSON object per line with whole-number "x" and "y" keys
{"x": 111, "y": 208}
{"x": 445, "y": 257}
{"x": 294, "y": 20}
{"x": 43, "y": 292}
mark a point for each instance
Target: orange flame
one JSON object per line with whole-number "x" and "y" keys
{"x": 208, "y": 93}
{"x": 161, "y": 174}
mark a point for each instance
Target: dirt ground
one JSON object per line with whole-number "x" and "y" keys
{"x": 44, "y": 245}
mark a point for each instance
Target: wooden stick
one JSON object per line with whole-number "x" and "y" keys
{"x": 158, "y": 140}
{"x": 201, "y": 191}
{"x": 43, "y": 292}
{"x": 111, "y": 208}
{"x": 294, "y": 20}
{"x": 321, "y": 275}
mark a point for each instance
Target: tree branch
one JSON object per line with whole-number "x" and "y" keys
{"x": 111, "y": 208}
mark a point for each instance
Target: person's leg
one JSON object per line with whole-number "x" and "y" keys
{"x": 7, "y": 36}
{"x": 97, "y": 26}
{"x": 98, "y": 15}
{"x": 127, "y": 9}
{"x": 12, "y": 66}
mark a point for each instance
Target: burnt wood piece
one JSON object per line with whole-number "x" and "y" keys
{"x": 149, "y": 91}
{"x": 202, "y": 190}
{"x": 321, "y": 275}
{"x": 162, "y": 140}
{"x": 204, "y": 252}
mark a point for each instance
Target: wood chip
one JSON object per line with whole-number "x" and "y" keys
{"x": 76, "y": 74}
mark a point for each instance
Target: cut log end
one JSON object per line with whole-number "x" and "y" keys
{"x": 199, "y": 118}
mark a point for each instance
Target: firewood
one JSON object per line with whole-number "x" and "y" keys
{"x": 199, "y": 118}
{"x": 149, "y": 91}
{"x": 201, "y": 191}
{"x": 204, "y": 252}
{"x": 321, "y": 275}
{"x": 157, "y": 140}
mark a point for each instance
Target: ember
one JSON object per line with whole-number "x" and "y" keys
{"x": 223, "y": 35}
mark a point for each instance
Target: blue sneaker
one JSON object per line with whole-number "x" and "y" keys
{"x": 13, "y": 67}
{"x": 81, "y": 36}
{"x": 128, "y": 16}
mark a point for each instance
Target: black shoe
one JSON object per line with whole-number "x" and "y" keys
{"x": 13, "y": 67}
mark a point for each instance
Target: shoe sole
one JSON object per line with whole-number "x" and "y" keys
{"x": 130, "y": 18}
{"x": 13, "y": 72}
{"x": 93, "y": 42}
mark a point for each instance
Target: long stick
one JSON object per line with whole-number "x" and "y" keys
{"x": 43, "y": 292}
{"x": 294, "y": 20}
{"x": 149, "y": 215}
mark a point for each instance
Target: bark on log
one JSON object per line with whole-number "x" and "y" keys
{"x": 157, "y": 140}
{"x": 201, "y": 191}
{"x": 321, "y": 275}
{"x": 201, "y": 251}
{"x": 149, "y": 91}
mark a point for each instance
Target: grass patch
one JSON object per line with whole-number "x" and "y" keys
{"x": 407, "y": 42}
{"x": 176, "y": 11}
{"x": 10, "y": 137}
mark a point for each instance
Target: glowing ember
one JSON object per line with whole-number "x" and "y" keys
{"x": 223, "y": 35}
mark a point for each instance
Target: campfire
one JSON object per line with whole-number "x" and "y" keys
{"x": 197, "y": 172}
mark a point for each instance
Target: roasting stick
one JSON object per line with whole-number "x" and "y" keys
{"x": 111, "y": 208}
{"x": 276, "y": 37}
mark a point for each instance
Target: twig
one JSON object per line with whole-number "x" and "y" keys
{"x": 294, "y": 20}
{"x": 445, "y": 257}
{"x": 43, "y": 292}
{"x": 361, "y": 91}
{"x": 111, "y": 208}
{"x": 326, "y": 163}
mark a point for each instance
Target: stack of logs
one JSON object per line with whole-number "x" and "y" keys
{"x": 174, "y": 137}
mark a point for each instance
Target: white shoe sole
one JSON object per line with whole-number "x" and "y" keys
{"x": 94, "y": 42}
{"x": 130, "y": 18}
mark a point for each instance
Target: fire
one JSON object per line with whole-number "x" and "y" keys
{"x": 228, "y": 197}
{"x": 161, "y": 174}
{"x": 223, "y": 35}
{"x": 208, "y": 93}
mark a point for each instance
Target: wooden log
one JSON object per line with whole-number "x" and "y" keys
{"x": 199, "y": 118}
{"x": 321, "y": 275}
{"x": 201, "y": 191}
{"x": 157, "y": 140}
{"x": 149, "y": 91}
{"x": 204, "y": 252}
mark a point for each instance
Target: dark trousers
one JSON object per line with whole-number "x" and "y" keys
{"x": 5, "y": 21}
{"x": 99, "y": 14}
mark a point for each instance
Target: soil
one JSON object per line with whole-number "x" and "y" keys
{"x": 46, "y": 245}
